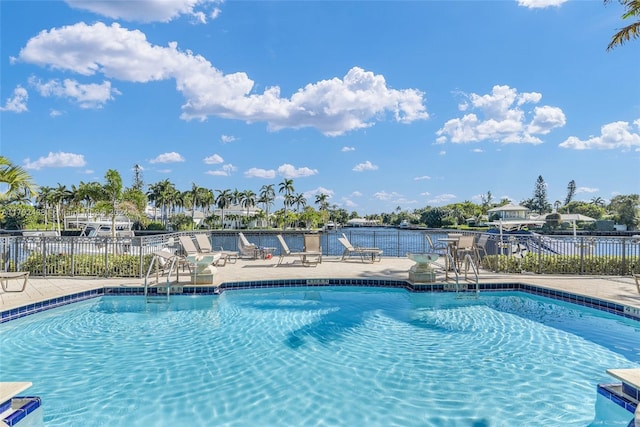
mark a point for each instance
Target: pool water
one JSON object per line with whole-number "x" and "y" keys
{"x": 319, "y": 357}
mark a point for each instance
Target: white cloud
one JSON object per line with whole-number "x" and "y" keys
{"x": 225, "y": 170}
{"x": 316, "y": 191}
{"x": 540, "y": 4}
{"x": 586, "y": 190}
{"x": 421, "y": 178}
{"x": 383, "y": 195}
{"x": 442, "y": 153}
{"x": 289, "y": 171}
{"x": 502, "y": 119}
{"x": 150, "y": 10}
{"x": 348, "y": 203}
{"x": 442, "y": 199}
{"x": 477, "y": 150}
{"x": 426, "y": 193}
{"x": 17, "y": 103}
{"x": 613, "y": 135}
{"x": 346, "y": 149}
{"x": 225, "y": 139}
{"x": 213, "y": 160}
{"x": 332, "y": 106}
{"x": 85, "y": 95}
{"x": 55, "y": 113}
{"x": 366, "y": 166}
{"x": 56, "y": 160}
{"x": 356, "y": 194}
{"x": 260, "y": 173}
{"x": 172, "y": 157}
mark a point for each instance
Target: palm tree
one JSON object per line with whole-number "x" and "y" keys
{"x": 630, "y": 31}
{"x": 114, "y": 202}
{"x": 299, "y": 200}
{"x": 164, "y": 195}
{"x": 323, "y": 205}
{"x": 223, "y": 201}
{"x": 286, "y": 187}
{"x": 18, "y": 180}
{"x": 60, "y": 196}
{"x": 44, "y": 199}
{"x": 598, "y": 201}
{"x": 247, "y": 201}
{"x": 267, "y": 196}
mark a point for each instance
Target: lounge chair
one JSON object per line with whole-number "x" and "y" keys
{"x": 247, "y": 249}
{"x": 366, "y": 254}
{"x": 312, "y": 246}
{"x": 225, "y": 256}
{"x": 191, "y": 251}
{"x": 5, "y": 276}
{"x": 286, "y": 252}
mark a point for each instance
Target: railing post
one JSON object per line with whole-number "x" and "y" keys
{"x": 624, "y": 258}
{"x": 539, "y": 238}
{"x": 581, "y": 247}
{"x": 73, "y": 258}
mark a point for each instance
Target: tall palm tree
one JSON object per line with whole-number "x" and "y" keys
{"x": 630, "y": 31}
{"x": 114, "y": 203}
{"x": 322, "y": 200}
{"x": 223, "y": 201}
{"x": 267, "y": 196}
{"x": 44, "y": 199}
{"x": 598, "y": 201}
{"x": 19, "y": 182}
{"x": 300, "y": 201}
{"x": 60, "y": 196}
{"x": 247, "y": 201}
{"x": 286, "y": 187}
{"x": 164, "y": 195}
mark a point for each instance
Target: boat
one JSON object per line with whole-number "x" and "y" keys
{"x": 404, "y": 224}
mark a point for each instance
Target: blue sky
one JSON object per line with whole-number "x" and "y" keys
{"x": 378, "y": 104}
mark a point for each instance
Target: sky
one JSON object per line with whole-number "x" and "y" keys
{"x": 378, "y": 104}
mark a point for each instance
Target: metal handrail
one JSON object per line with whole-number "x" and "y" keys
{"x": 468, "y": 261}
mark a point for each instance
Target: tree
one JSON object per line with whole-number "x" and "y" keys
{"x": 286, "y": 187}
{"x": 267, "y": 196}
{"x": 486, "y": 200}
{"x": 571, "y": 191}
{"x": 223, "y": 201}
{"x": 632, "y": 9}
{"x": 247, "y": 201}
{"x": 323, "y": 205}
{"x": 19, "y": 182}
{"x": 138, "y": 183}
{"x": 539, "y": 201}
{"x": 114, "y": 203}
{"x": 626, "y": 209}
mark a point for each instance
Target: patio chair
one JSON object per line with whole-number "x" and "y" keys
{"x": 312, "y": 246}
{"x": 366, "y": 254}
{"x": 5, "y": 276}
{"x": 439, "y": 247}
{"x": 225, "y": 256}
{"x": 247, "y": 249}
{"x": 286, "y": 252}
{"x": 465, "y": 246}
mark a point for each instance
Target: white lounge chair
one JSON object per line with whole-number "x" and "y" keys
{"x": 225, "y": 256}
{"x": 366, "y": 254}
{"x": 286, "y": 252}
{"x": 247, "y": 249}
{"x": 191, "y": 251}
{"x": 5, "y": 276}
{"x": 312, "y": 246}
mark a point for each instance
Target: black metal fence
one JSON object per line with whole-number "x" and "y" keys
{"x": 52, "y": 255}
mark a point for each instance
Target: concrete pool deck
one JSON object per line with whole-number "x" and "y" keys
{"x": 617, "y": 289}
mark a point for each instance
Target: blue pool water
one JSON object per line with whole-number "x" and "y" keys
{"x": 320, "y": 357}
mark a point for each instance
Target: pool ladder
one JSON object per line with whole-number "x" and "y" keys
{"x": 159, "y": 297}
{"x": 468, "y": 262}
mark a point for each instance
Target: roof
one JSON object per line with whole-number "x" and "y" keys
{"x": 509, "y": 207}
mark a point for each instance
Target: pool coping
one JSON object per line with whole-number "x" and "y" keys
{"x": 619, "y": 309}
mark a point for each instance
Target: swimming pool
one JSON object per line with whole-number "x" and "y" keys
{"x": 319, "y": 356}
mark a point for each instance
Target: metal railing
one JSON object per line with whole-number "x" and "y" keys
{"x": 130, "y": 257}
